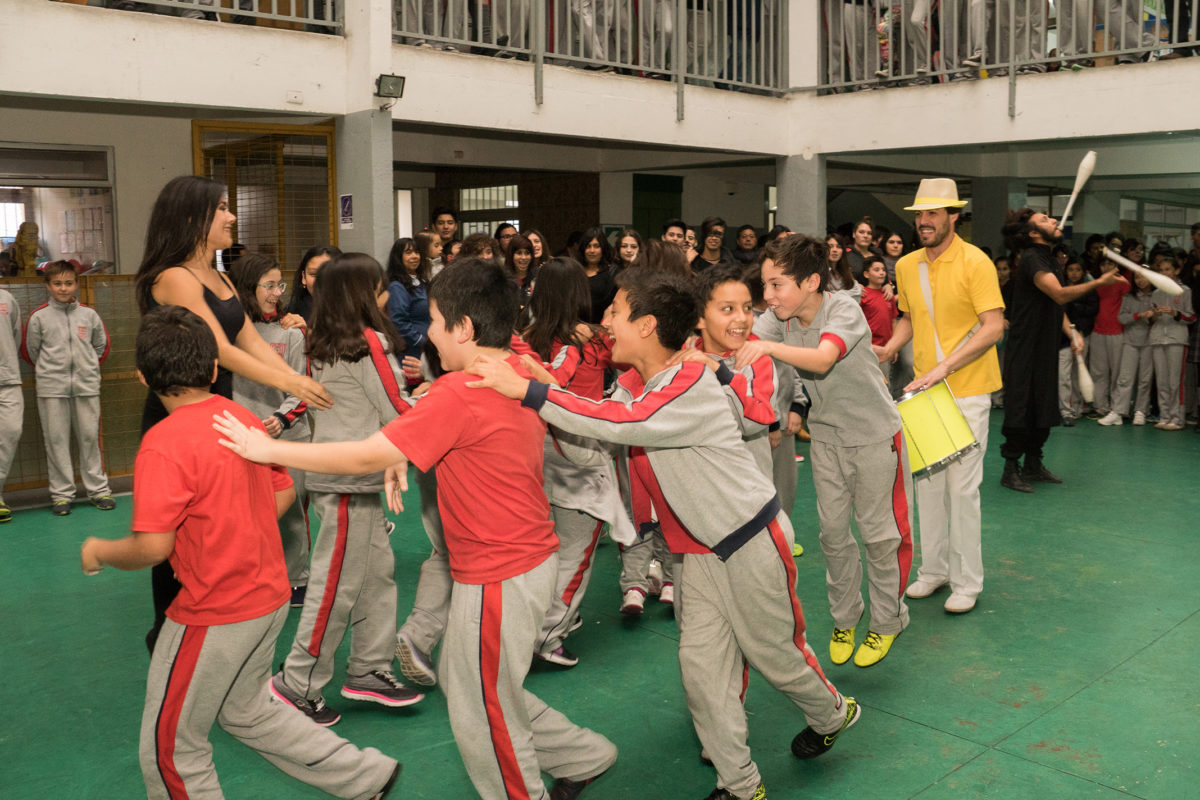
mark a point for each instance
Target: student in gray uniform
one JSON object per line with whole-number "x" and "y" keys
{"x": 737, "y": 601}
{"x": 212, "y": 515}
{"x": 66, "y": 342}
{"x": 1168, "y": 344}
{"x": 259, "y": 282}
{"x": 1137, "y": 359}
{"x": 857, "y": 452}
{"x": 352, "y": 347}
{"x": 12, "y": 402}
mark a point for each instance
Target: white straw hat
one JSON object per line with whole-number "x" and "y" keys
{"x": 936, "y": 193}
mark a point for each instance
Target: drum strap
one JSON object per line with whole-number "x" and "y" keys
{"x": 927, "y": 295}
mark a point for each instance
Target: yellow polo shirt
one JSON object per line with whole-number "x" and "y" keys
{"x": 964, "y": 284}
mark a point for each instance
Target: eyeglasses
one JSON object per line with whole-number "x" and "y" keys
{"x": 273, "y": 287}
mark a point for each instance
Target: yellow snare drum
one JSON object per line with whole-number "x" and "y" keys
{"x": 935, "y": 431}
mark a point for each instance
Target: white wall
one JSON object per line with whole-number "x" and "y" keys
{"x": 147, "y": 152}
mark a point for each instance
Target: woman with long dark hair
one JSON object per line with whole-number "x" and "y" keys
{"x": 306, "y": 275}
{"x": 541, "y": 249}
{"x": 518, "y": 260}
{"x": 631, "y": 250}
{"x": 408, "y": 272}
{"x": 189, "y": 223}
{"x": 595, "y": 255}
{"x": 711, "y": 249}
{"x": 841, "y": 277}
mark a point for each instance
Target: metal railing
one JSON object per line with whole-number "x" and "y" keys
{"x": 871, "y": 44}
{"x": 315, "y": 16}
{"x": 730, "y": 44}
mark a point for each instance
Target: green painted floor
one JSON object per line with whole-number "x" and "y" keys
{"x": 1073, "y": 678}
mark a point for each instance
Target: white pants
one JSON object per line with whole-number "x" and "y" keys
{"x": 1070, "y": 399}
{"x": 1074, "y": 27}
{"x": 59, "y": 415}
{"x": 949, "y": 513}
{"x": 861, "y": 40}
{"x": 12, "y": 415}
{"x": 1104, "y": 362}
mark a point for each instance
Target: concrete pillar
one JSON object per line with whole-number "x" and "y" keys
{"x": 991, "y": 198}
{"x": 364, "y": 134}
{"x": 800, "y": 191}
{"x": 364, "y": 167}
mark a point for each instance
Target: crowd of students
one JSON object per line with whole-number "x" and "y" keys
{"x": 647, "y": 388}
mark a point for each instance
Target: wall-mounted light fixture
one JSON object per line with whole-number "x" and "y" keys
{"x": 390, "y": 86}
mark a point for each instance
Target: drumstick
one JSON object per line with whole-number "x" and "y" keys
{"x": 1086, "y": 387}
{"x": 1081, "y": 176}
{"x": 1159, "y": 280}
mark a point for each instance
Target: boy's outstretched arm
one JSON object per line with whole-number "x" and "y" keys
{"x": 138, "y": 550}
{"x": 372, "y": 454}
{"x": 817, "y": 360}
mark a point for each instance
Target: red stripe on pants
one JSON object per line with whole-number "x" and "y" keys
{"x": 331, "y": 581}
{"x": 784, "y": 548}
{"x": 577, "y": 578}
{"x": 178, "y": 682}
{"x": 745, "y": 680}
{"x": 489, "y": 673}
{"x": 900, "y": 513}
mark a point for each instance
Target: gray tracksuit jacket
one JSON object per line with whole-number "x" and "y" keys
{"x": 367, "y": 394}
{"x": 265, "y": 401}
{"x": 10, "y": 340}
{"x": 66, "y": 343}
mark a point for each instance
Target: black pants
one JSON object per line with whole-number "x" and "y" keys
{"x": 1023, "y": 441}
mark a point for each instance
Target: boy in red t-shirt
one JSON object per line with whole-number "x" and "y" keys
{"x": 487, "y": 451}
{"x": 213, "y": 516}
{"x": 878, "y": 307}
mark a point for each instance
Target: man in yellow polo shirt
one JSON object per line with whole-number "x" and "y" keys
{"x": 955, "y": 341}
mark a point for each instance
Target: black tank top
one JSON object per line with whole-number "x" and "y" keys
{"x": 230, "y": 316}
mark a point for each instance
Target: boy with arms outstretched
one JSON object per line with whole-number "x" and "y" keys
{"x": 737, "y": 600}
{"x": 487, "y": 451}
{"x": 857, "y": 452}
{"x": 213, "y": 515}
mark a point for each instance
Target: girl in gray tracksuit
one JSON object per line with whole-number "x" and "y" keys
{"x": 1137, "y": 361}
{"x": 67, "y": 342}
{"x": 352, "y": 349}
{"x": 1168, "y": 345}
{"x": 258, "y": 280}
{"x": 12, "y": 402}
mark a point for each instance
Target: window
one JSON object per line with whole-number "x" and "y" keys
{"x": 481, "y": 209}
{"x": 11, "y": 217}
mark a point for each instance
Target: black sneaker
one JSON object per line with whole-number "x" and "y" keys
{"x": 105, "y": 503}
{"x": 382, "y": 687}
{"x": 415, "y": 664}
{"x": 61, "y": 508}
{"x": 810, "y": 744}
{"x": 559, "y": 655}
{"x": 760, "y": 793}
{"x": 5, "y": 512}
{"x": 316, "y": 710}
{"x": 567, "y": 789}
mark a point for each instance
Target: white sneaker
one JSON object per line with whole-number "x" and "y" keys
{"x": 1139, "y": 418}
{"x": 923, "y": 588}
{"x": 1111, "y": 418}
{"x": 667, "y": 595}
{"x": 633, "y": 603}
{"x": 1169, "y": 426}
{"x": 654, "y": 577}
{"x": 959, "y": 603}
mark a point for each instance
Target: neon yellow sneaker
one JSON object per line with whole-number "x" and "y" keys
{"x": 841, "y": 645}
{"x": 797, "y": 550}
{"x": 874, "y": 648}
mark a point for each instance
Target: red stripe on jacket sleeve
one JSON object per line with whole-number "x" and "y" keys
{"x": 386, "y": 375}
{"x": 837, "y": 340}
{"x": 755, "y": 392}
{"x": 641, "y": 409}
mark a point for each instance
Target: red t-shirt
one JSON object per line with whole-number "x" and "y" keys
{"x": 1110, "y": 305}
{"x": 488, "y": 453}
{"x": 228, "y": 554}
{"x": 879, "y": 312}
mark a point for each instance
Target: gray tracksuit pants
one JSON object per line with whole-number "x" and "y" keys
{"x": 506, "y": 735}
{"x": 1104, "y": 363}
{"x": 293, "y": 529}
{"x": 201, "y": 674}
{"x": 578, "y": 533}
{"x": 1137, "y": 370}
{"x": 12, "y": 415}
{"x": 59, "y": 415}
{"x": 738, "y": 612}
{"x": 873, "y": 484}
{"x": 1168, "y": 374}
{"x": 351, "y": 586}
{"x": 426, "y": 622}
{"x": 784, "y": 472}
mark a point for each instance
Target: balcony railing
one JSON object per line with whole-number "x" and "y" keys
{"x": 730, "y": 44}
{"x": 867, "y": 44}
{"x": 316, "y": 16}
